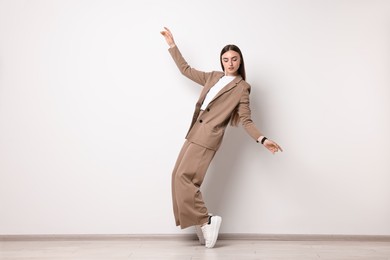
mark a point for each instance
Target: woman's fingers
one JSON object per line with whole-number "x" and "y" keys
{"x": 168, "y": 32}
{"x": 165, "y": 33}
{"x": 273, "y": 147}
{"x": 168, "y": 35}
{"x": 276, "y": 147}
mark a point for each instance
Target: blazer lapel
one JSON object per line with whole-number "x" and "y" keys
{"x": 228, "y": 87}
{"x": 210, "y": 84}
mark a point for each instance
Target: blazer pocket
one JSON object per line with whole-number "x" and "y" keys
{"x": 211, "y": 129}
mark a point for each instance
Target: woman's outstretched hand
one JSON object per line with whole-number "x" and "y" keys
{"x": 272, "y": 146}
{"x": 168, "y": 37}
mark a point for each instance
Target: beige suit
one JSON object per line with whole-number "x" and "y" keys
{"x": 204, "y": 137}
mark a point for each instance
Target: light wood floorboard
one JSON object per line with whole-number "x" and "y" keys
{"x": 187, "y": 249}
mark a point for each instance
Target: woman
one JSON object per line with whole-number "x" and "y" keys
{"x": 223, "y": 99}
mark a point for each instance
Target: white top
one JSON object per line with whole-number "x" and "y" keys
{"x": 215, "y": 89}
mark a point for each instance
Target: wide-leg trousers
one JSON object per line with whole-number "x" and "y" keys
{"x": 187, "y": 177}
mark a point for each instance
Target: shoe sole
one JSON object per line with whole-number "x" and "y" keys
{"x": 218, "y": 221}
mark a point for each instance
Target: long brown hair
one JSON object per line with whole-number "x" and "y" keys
{"x": 234, "y": 119}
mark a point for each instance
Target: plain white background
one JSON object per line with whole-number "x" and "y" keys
{"x": 93, "y": 113}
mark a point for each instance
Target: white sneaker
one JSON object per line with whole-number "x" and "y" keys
{"x": 210, "y": 231}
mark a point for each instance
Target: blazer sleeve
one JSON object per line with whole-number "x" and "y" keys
{"x": 244, "y": 113}
{"x": 185, "y": 69}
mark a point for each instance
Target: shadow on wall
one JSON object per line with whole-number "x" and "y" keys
{"x": 226, "y": 168}
{"x": 223, "y": 171}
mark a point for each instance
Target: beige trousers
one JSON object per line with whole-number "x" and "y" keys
{"x": 187, "y": 177}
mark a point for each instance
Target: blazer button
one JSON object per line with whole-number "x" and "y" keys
{"x": 200, "y": 121}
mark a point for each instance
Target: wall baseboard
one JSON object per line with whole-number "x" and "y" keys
{"x": 223, "y": 236}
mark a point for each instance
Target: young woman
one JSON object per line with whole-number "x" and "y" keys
{"x": 224, "y": 98}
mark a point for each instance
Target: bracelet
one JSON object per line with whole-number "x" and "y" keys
{"x": 263, "y": 139}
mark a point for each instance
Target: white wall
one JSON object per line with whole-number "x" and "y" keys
{"x": 93, "y": 113}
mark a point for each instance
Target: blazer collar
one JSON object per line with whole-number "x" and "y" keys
{"x": 228, "y": 87}
{"x": 225, "y": 89}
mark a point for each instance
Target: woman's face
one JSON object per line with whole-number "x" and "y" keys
{"x": 231, "y": 62}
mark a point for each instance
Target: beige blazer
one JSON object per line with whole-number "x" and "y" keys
{"x": 208, "y": 129}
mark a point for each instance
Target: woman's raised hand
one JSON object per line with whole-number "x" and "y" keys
{"x": 168, "y": 37}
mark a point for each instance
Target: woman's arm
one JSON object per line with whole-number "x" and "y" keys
{"x": 244, "y": 112}
{"x": 199, "y": 77}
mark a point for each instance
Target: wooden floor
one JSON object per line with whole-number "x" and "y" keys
{"x": 172, "y": 249}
